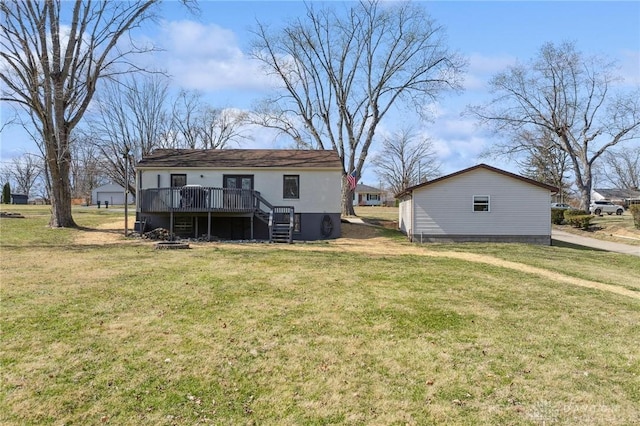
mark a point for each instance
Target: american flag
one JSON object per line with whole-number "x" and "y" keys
{"x": 353, "y": 180}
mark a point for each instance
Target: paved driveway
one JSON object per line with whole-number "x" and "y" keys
{"x": 594, "y": 243}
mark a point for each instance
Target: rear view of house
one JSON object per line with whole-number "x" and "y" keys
{"x": 277, "y": 195}
{"x": 481, "y": 203}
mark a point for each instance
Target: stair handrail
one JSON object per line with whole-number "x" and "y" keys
{"x": 291, "y": 214}
{"x": 260, "y": 199}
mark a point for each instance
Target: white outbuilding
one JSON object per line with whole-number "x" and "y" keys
{"x": 111, "y": 193}
{"x": 477, "y": 204}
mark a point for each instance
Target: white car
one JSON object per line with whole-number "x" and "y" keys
{"x": 561, "y": 206}
{"x": 599, "y": 207}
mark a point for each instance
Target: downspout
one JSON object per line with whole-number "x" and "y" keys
{"x": 413, "y": 219}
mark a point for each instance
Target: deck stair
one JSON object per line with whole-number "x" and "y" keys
{"x": 281, "y": 225}
{"x": 279, "y": 219}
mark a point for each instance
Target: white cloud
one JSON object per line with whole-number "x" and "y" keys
{"x": 208, "y": 58}
{"x": 483, "y": 67}
{"x": 630, "y": 67}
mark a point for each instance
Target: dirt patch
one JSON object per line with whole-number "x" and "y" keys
{"x": 107, "y": 233}
{"x": 359, "y": 231}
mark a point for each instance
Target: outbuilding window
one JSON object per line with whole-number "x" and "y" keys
{"x": 481, "y": 203}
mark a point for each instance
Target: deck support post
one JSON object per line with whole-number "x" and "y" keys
{"x": 171, "y": 225}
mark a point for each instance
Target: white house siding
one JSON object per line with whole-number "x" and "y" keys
{"x": 517, "y": 209}
{"x": 317, "y": 187}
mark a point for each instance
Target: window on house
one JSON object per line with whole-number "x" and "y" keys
{"x": 373, "y": 197}
{"x": 178, "y": 181}
{"x": 291, "y": 186}
{"x": 481, "y": 203}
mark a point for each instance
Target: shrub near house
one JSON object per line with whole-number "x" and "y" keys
{"x": 635, "y": 212}
{"x": 557, "y": 216}
{"x": 578, "y": 218}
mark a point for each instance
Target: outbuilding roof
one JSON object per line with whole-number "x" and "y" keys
{"x": 241, "y": 158}
{"x": 479, "y": 166}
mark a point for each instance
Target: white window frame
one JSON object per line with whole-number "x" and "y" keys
{"x": 478, "y": 201}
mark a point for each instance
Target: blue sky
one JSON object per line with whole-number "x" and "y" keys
{"x": 209, "y": 53}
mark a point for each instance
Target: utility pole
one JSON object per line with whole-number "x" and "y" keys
{"x": 125, "y": 156}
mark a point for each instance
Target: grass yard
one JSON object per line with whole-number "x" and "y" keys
{"x": 369, "y": 330}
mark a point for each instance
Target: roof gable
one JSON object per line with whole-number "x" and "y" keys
{"x": 476, "y": 167}
{"x": 241, "y": 158}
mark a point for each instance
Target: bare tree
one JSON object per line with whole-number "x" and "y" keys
{"x": 86, "y": 171}
{"x": 622, "y": 167}
{"x": 128, "y": 118}
{"x": 221, "y": 127}
{"x": 570, "y": 96}
{"x": 5, "y": 173}
{"x": 186, "y": 119}
{"x": 25, "y": 171}
{"x": 540, "y": 158}
{"x": 53, "y": 55}
{"x": 405, "y": 161}
{"x": 198, "y": 125}
{"x": 341, "y": 73}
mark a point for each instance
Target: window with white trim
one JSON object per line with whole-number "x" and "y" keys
{"x": 481, "y": 203}
{"x": 291, "y": 186}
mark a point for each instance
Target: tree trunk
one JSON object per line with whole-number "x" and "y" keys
{"x": 347, "y": 200}
{"x": 61, "y": 216}
{"x": 584, "y": 186}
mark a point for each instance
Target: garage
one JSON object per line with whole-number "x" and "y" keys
{"x": 112, "y": 194}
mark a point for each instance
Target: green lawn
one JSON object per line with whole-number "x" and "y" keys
{"x": 309, "y": 333}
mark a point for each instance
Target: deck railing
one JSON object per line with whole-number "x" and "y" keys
{"x": 198, "y": 199}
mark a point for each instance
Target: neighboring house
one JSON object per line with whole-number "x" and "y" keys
{"x": 365, "y": 195}
{"x": 623, "y": 197}
{"x": 111, "y": 193}
{"x": 276, "y": 195}
{"x": 19, "y": 199}
{"x": 481, "y": 203}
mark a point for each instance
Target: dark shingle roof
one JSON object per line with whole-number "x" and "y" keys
{"x": 617, "y": 193}
{"x": 241, "y": 158}
{"x": 366, "y": 188}
{"x": 479, "y": 166}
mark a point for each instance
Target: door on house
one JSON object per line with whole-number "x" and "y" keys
{"x": 177, "y": 182}
{"x": 234, "y": 198}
